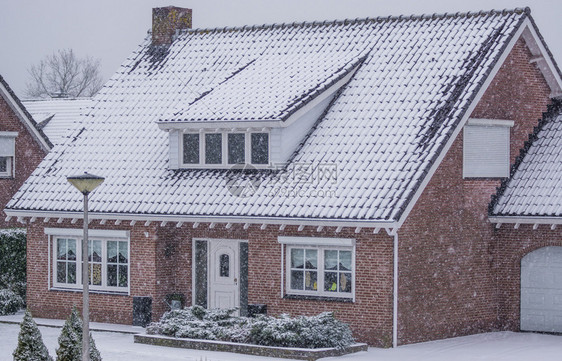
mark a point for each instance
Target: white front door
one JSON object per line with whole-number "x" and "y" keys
{"x": 224, "y": 269}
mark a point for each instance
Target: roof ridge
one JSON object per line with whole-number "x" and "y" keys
{"x": 552, "y": 110}
{"x": 518, "y": 10}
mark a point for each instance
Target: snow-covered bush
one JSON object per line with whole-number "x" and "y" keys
{"x": 13, "y": 260}
{"x": 10, "y": 302}
{"x": 70, "y": 340}
{"x": 30, "y": 342}
{"x": 318, "y": 331}
{"x": 303, "y": 331}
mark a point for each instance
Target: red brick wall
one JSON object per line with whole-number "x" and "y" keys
{"x": 447, "y": 264}
{"x": 28, "y": 156}
{"x": 512, "y": 246}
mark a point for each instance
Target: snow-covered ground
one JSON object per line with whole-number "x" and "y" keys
{"x": 496, "y": 346}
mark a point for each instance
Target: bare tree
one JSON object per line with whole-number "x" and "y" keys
{"x": 62, "y": 74}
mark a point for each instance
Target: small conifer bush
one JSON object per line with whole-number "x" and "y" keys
{"x": 30, "y": 343}
{"x": 70, "y": 340}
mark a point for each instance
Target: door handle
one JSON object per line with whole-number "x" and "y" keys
{"x": 235, "y": 280}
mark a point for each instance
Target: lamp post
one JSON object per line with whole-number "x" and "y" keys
{"x": 85, "y": 183}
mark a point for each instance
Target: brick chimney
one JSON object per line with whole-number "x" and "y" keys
{"x": 165, "y": 22}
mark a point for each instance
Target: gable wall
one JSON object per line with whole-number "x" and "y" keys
{"x": 447, "y": 253}
{"x": 27, "y": 157}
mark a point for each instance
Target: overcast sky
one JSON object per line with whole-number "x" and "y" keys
{"x": 111, "y": 29}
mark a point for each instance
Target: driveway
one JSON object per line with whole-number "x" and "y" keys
{"x": 497, "y": 346}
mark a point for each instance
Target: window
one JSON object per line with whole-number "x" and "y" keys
{"x": 319, "y": 270}
{"x": 108, "y": 263}
{"x": 486, "y": 148}
{"x": 7, "y": 153}
{"x": 224, "y": 149}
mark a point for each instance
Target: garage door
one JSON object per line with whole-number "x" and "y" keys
{"x": 541, "y": 290}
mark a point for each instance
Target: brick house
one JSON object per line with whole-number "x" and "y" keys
{"x": 341, "y": 166}
{"x": 22, "y": 147}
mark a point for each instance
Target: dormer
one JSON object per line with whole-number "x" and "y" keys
{"x": 249, "y": 118}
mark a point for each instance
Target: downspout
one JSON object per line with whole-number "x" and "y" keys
{"x": 395, "y": 292}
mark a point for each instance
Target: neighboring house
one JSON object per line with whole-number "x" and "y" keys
{"x": 56, "y": 117}
{"x": 527, "y": 212}
{"x": 22, "y": 147}
{"x": 341, "y": 166}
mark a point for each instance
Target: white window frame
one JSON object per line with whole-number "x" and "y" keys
{"x": 483, "y": 125}
{"x": 93, "y": 235}
{"x": 320, "y": 245}
{"x": 8, "y": 152}
{"x": 224, "y": 165}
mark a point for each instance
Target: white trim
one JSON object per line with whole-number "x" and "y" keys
{"x": 395, "y": 293}
{"x": 12, "y": 103}
{"x": 204, "y": 219}
{"x": 490, "y": 122}
{"x": 317, "y": 241}
{"x": 9, "y": 134}
{"x": 488, "y": 80}
{"x": 75, "y": 232}
{"x": 525, "y": 220}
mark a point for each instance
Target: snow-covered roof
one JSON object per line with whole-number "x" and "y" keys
{"x": 383, "y": 132}
{"x": 535, "y": 186}
{"x": 57, "y": 117}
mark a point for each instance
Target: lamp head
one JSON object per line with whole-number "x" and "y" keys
{"x": 86, "y": 182}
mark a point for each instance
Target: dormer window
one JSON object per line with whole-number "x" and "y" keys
{"x": 223, "y": 149}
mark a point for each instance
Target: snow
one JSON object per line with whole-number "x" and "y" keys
{"x": 498, "y": 346}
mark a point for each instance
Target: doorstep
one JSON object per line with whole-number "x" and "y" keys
{"x": 94, "y": 326}
{"x": 248, "y": 349}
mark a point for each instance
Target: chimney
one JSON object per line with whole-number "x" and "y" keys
{"x": 165, "y": 22}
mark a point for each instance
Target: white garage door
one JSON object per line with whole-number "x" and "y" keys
{"x": 541, "y": 290}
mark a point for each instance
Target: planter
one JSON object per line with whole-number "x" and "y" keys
{"x": 243, "y": 348}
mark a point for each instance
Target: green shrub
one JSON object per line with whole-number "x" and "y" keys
{"x": 13, "y": 260}
{"x": 30, "y": 342}
{"x": 70, "y": 340}
{"x": 196, "y": 322}
{"x": 10, "y": 302}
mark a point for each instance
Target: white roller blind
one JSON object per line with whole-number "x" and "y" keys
{"x": 486, "y": 151}
{"x": 7, "y": 144}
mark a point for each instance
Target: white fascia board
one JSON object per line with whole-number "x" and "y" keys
{"x": 525, "y": 220}
{"x": 463, "y": 121}
{"x": 23, "y": 118}
{"x": 491, "y": 122}
{"x": 271, "y": 123}
{"x": 317, "y": 241}
{"x": 204, "y": 219}
{"x": 79, "y": 232}
{"x": 543, "y": 60}
{"x": 9, "y": 134}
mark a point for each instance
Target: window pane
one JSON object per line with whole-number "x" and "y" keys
{"x": 95, "y": 277}
{"x": 213, "y": 148}
{"x": 61, "y": 272}
{"x": 191, "y": 148}
{"x": 123, "y": 278}
{"x": 61, "y": 249}
{"x": 345, "y": 282}
{"x": 72, "y": 272}
{"x": 236, "y": 148}
{"x": 331, "y": 281}
{"x": 260, "y": 148}
{"x": 297, "y": 280}
{"x": 311, "y": 259}
{"x": 330, "y": 260}
{"x": 3, "y": 164}
{"x": 112, "y": 251}
{"x": 123, "y": 252}
{"x": 311, "y": 281}
{"x": 71, "y": 254}
{"x": 224, "y": 265}
{"x": 94, "y": 251}
{"x": 112, "y": 275}
{"x": 345, "y": 261}
{"x": 297, "y": 258}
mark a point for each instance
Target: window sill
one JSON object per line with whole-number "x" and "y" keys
{"x": 102, "y": 292}
{"x": 318, "y": 298}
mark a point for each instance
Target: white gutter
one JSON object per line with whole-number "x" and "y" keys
{"x": 395, "y": 293}
{"x": 525, "y": 220}
{"x": 203, "y": 219}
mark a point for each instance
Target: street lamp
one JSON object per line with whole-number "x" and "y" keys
{"x": 85, "y": 183}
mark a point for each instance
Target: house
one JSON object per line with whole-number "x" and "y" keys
{"x": 341, "y": 166}
{"x": 56, "y": 116}
{"x": 22, "y": 147}
{"x": 527, "y": 213}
